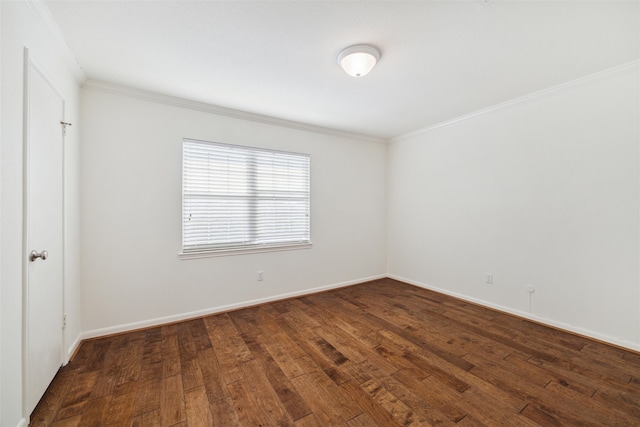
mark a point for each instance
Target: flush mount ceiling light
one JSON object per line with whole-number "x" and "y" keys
{"x": 358, "y": 60}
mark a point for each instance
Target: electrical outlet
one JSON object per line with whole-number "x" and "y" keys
{"x": 530, "y": 288}
{"x": 488, "y": 278}
{"x": 260, "y": 276}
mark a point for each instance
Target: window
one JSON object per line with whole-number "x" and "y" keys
{"x": 238, "y": 198}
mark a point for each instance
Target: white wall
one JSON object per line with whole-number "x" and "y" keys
{"x": 131, "y": 212}
{"x": 542, "y": 192}
{"x": 21, "y": 28}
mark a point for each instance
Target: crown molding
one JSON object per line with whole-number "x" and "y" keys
{"x": 525, "y": 98}
{"x": 44, "y": 16}
{"x": 144, "y": 95}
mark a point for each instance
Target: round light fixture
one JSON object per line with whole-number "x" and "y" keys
{"x": 358, "y": 60}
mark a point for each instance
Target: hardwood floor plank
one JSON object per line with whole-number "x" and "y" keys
{"x": 396, "y": 359}
{"x": 200, "y": 335}
{"x": 172, "y": 408}
{"x": 122, "y": 405}
{"x": 323, "y": 410}
{"x": 191, "y": 373}
{"x": 211, "y": 376}
{"x": 147, "y": 419}
{"x": 105, "y": 383}
{"x": 433, "y": 396}
{"x": 469, "y": 421}
{"x": 487, "y": 404}
{"x": 148, "y": 395}
{"x": 422, "y": 409}
{"x": 265, "y": 396}
{"x": 45, "y": 411}
{"x": 358, "y": 330}
{"x": 285, "y": 352}
{"x": 363, "y": 372}
{"x": 314, "y": 356}
{"x": 584, "y": 369}
{"x": 312, "y": 420}
{"x": 540, "y": 417}
{"x": 298, "y": 311}
{"x": 449, "y": 336}
{"x": 170, "y": 351}
{"x": 223, "y": 413}
{"x": 130, "y": 363}
{"x": 411, "y": 340}
{"x": 504, "y": 379}
{"x": 67, "y": 422}
{"x": 230, "y": 366}
{"x": 343, "y": 342}
{"x": 361, "y": 420}
{"x": 369, "y": 406}
{"x": 197, "y": 407}
{"x": 624, "y": 402}
{"x": 586, "y": 407}
{"x": 493, "y": 333}
{"x": 627, "y": 356}
{"x": 91, "y": 353}
{"x": 531, "y": 370}
{"x": 381, "y": 353}
{"x": 330, "y": 392}
{"x": 429, "y": 365}
{"x": 293, "y": 403}
{"x": 402, "y": 413}
{"x": 220, "y": 330}
{"x": 76, "y": 398}
{"x": 245, "y": 405}
{"x": 187, "y": 346}
{"x": 152, "y": 353}
{"x": 554, "y": 394}
{"x": 341, "y": 345}
{"x": 618, "y": 372}
{"x": 95, "y": 412}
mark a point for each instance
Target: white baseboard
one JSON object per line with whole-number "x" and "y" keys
{"x": 549, "y": 322}
{"x": 23, "y": 423}
{"x": 73, "y": 348}
{"x": 220, "y": 309}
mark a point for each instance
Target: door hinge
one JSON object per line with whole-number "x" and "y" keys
{"x": 64, "y": 128}
{"x": 64, "y": 321}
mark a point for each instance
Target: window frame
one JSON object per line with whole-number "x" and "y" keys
{"x": 251, "y": 247}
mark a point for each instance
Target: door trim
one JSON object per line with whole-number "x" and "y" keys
{"x": 30, "y": 65}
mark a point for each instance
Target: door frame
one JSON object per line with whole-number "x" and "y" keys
{"x": 33, "y": 66}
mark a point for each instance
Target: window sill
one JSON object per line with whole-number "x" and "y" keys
{"x": 241, "y": 251}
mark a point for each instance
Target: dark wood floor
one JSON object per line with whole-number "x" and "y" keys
{"x": 382, "y": 353}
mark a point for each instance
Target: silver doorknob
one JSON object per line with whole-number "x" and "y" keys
{"x": 34, "y": 255}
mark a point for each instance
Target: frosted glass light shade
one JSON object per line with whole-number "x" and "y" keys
{"x": 358, "y": 60}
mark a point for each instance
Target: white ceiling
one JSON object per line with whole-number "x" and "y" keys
{"x": 440, "y": 60}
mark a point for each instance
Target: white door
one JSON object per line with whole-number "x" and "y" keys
{"x": 43, "y": 232}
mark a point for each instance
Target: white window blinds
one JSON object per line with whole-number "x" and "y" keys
{"x": 236, "y": 197}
